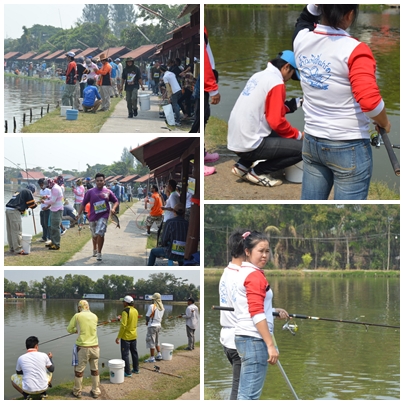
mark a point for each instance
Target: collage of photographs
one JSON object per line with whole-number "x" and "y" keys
{"x": 107, "y": 167}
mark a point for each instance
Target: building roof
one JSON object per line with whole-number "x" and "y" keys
{"x": 188, "y": 9}
{"x": 28, "y": 55}
{"x": 54, "y": 54}
{"x": 32, "y": 175}
{"x": 114, "y": 52}
{"x": 63, "y": 55}
{"x": 10, "y": 55}
{"x": 116, "y": 178}
{"x": 144, "y": 178}
{"x": 129, "y": 178}
{"x": 142, "y": 51}
{"x": 41, "y": 56}
{"x": 88, "y": 52}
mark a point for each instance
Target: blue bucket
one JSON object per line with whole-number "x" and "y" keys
{"x": 66, "y": 223}
{"x": 72, "y": 114}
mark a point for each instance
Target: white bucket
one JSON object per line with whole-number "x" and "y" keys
{"x": 294, "y": 173}
{"x": 169, "y": 113}
{"x": 26, "y": 243}
{"x": 63, "y": 109}
{"x": 144, "y": 101}
{"x": 167, "y": 351}
{"x": 116, "y": 370}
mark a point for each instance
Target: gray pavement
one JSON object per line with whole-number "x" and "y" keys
{"x": 193, "y": 394}
{"x": 145, "y": 122}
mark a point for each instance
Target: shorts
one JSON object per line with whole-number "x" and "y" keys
{"x": 17, "y": 379}
{"x": 152, "y": 337}
{"x": 154, "y": 219}
{"x": 99, "y": 227}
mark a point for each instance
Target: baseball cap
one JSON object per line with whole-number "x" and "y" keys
{"x": 117, "y": 60}
{"x": 31, "y": 188}
{"x": 289, "y": 56}
{"x": 128, "y": 299}
{"x": 191, "y": 299}
{"x": 71, "y": 54}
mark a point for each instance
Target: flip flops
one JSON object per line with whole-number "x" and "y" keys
{"x": 22, "y": 252}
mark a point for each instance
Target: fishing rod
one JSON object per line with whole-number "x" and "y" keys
{"x": 235, "y": 60}
{"x": 157, "y": 370}
{"x": 304, "y": 317}
{"x": 393, "y": 158}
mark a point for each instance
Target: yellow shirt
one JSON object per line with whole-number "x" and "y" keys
{"x": 128, "y": 330}
{"x": 85, "y": 323}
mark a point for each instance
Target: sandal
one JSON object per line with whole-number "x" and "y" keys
{"x": 22, "y": 252}
{"x": 211, "y": 157}
{"x": 209, "y": 170}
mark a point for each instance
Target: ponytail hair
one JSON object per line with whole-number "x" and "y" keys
{"x": 236, "y": 243}
{"x": 252, "y": 239}
{"x": 334, "y": 13}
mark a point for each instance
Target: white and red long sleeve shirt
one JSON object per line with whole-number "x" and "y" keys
{"x": 253, "y": 301}
{"x": 227, "y": 296}
{"x": 338, "y": 78}
{"x": 210, "y": 84}
{"x": 259, "y": 110}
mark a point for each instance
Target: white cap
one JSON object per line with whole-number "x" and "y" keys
{"x": 71, "y": 54}
{"x": 128, "y": 299}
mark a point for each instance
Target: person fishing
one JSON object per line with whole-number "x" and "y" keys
{"x": 128, "y": 336}
{"x": 15, "y": 208}
{"x": 253, "y": 308}
{"x": 341, "y": 97}
{"x": 258, "y": 129}
{"x": 34, "y": 371}
{"x": 228, "y": 319}
{"x": 154, "y": 316}
{"x": 86, "y": 349}
{"x": 191, "y": 322}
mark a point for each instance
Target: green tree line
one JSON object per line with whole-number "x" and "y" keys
{"x": 310, "y": 236}
{"x": 102, "y": 26}
{"x": 112, "y": 286}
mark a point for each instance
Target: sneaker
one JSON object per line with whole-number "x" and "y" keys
{"x": 41, "y": 240}
{"x": 264, "y": 180}
{"x": 240, "y": 171}
{"x": 159, "y": 357}
{"x": 130, "y": 116}
{"x": 127, "y": 374}
{"x": 63, "y": 232}
{"x": 150, "y": 360}
{"x": 93, "y": 395}
{"x": 77, "y": 395}
{"x": 145, "y": 234}
{"x": 211, "y": 157}
{"x": 54, "y": 247}
{"x": 136, "y": 372}
{"x": 95, "y": 252}
{"x": 187, "y": 349}
{"x": 99, "y": 257}
{"x": 208, "y": 170}
{"x": 44, "y": 395}
{"x": 48, "y": 243}
{"x": 135, "y": 112}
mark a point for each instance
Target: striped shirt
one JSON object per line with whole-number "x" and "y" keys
{"x": 22, "y": 200}
{"x": 175, "y": 229}
{"x": 56, "y": 200}
{"x": 79, "y": 194}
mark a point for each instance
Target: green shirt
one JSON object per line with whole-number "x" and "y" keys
{"x": 128, "y": 330}
{"x": 85, "y": 323}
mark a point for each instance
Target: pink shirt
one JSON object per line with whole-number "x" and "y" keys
{"x": 56, "y": 199}
{"x": 79, "y": 192}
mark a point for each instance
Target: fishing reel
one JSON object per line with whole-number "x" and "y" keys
{"x": 376, "y": 139}
{"x": 291, "y": 326}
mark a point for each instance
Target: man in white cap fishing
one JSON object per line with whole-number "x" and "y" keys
{"x": 87, "y": 350}
{"x": 128, "y": 336}
{"x": 71, "y": 76}
{"x": 192, "y": 320}
{"x": 154, "y": 316}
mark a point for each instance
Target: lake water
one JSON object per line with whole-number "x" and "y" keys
{"x": 22, "y": 94}
{"x": 244, "y": 38}
{"x": 324, "y": 360}
{"x": 48, "y": 319}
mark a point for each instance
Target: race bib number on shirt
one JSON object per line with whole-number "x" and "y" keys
{"x": 178, "y": 247}
{"x": 100, "y": 207}
{"x": 156, "y": 75}
{"x": 131, "y": 78}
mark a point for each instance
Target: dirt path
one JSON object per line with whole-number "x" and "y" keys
{"x": 181, "y": 363}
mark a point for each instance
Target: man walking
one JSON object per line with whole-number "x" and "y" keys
{"x": 192, "y": 320}
{"x": 71, "y": 76}
{"x": 99, "y": 198}
{"x": 132, "y": 78}
{"x": 85, "y": 324}
{"x": 154, "y": 316}
{"x": 171, "y": 82}
{"x": 128, "y": 336}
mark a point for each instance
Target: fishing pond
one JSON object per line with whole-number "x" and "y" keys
{"x": 324, "y": 360}
{"x": 48, "y": 319}
{"x": 244, "y": 38}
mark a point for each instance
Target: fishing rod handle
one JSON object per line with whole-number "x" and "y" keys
{"x": 393, "y": 158}
{"x": 226, "y": 308}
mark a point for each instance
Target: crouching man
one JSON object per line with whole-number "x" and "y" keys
{"x": 34, "y": 371}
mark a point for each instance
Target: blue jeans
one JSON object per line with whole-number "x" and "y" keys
{"x": 126, "y": 347}
{"x": 253, "y": 353}
{"x": 345, "y": 164}
{"x": 176, "y": 108}
{"x": 154, "y": 253}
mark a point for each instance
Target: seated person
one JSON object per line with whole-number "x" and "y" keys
{"x": 34, "y": 370}
{"x": 92, "y": 98}
{"x": 173, "y": 239}
{"x": 69, "y": 213}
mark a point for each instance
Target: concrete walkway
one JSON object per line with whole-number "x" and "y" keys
{"x": 145, "y": 122}
{"x": 122, "y": 247}
{"x": 193, "y": 394}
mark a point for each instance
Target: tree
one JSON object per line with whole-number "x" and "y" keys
{"x": 94, "y": 12}
{"x": 122, "y": 15}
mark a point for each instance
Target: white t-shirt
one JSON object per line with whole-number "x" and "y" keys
{"x": 172, "y": 200}
{"x": 158, "y": 316}
{"x": 33, "y": 365}
{"x": 192, "y": 316}
{"x": 45, "y": 192}
{"x": 170, "y": 78}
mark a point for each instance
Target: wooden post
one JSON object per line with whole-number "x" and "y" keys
{"x": 194, "y": 220}
{"x": 41, "y": 112}
{"x": 184, "y": 181}
{"x": 6, "y": 126}
{"x": 47, "y": 109}
{"x": 15, "y": 124}
{"x": 30, "y": 115}
{"x": 23, "y": 119}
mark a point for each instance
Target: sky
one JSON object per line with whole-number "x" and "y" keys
{"x": 69, "y": 151}
{"x": 57, "y": 15}
{"x": 17, "y": 276}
